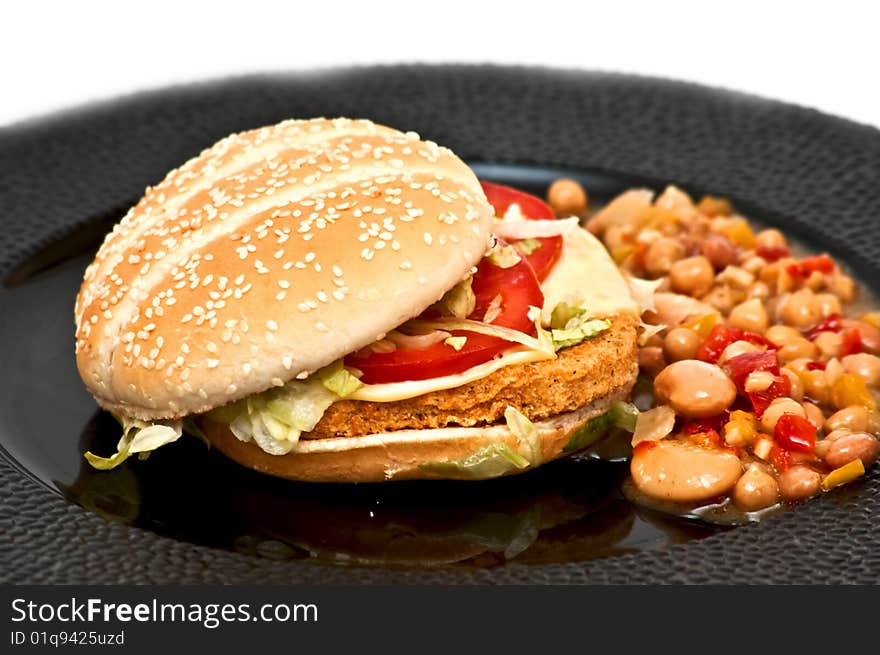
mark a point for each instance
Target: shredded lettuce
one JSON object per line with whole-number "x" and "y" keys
{"x": 564, "y": 313}
{"x": 497, "y": 458}
{"x": 503, "y": 256}
{"x": 527, "y": 437}
{"x": 339, "y": 379}
{"x": 620, "y": 415}
{"x": 581, "y": 331}
{"x": 459, "y": 301}
{"x": 508, "y": 334}
{"x": 456, "y": 342}
{"x": 490, "y": 461}
{"x": 276, "y": 418}
{"x": 528, "y": 246}
{"x": 138, "y": 437}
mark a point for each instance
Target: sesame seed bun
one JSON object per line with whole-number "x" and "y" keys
{"x": 269, "y": 255}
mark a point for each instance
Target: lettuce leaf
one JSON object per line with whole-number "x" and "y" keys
{"x": 339, "y": 379}
{"x": 621, "y": 415}
{"x": 459, "y": 301}
{"x": 490, "y": 461}
{"x": 276, "y": 418}
{"x": 138, "y": 437}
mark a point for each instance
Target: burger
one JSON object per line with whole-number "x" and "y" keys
{"x": 335, "y": 300}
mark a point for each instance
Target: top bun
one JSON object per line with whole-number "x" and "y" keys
{"x": 271, "y": 254}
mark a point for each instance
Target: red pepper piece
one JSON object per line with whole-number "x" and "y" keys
{"x": 709, "y": 424}
{"x": 721, "y": 336}
{"x": 761, "y": 399}
{"x": 821, "y": 263}
{"x": 740, "y": 366}
{"x": 780, "y": 458}
{"x": 852, "y": 342}
{"x": 772, "y": 253}
{"x": 795, "y": 433}
{"x": 830, "y": 324}
{"x": 816, "y": 366}
{"x": 643, "y": 446}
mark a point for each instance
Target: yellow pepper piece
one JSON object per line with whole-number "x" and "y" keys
{"x": 844, "y": 474}
{"x": 850, "y": 389}
{"x": 658, "y": 218}
{"x": 871, "y": 318}
{"x": 740, "y": 429}
{"x": 702, "y": 325}
{"x": 740, "y": 233}
{"x": 714, "y": 206}
{"x": 620, "y": 253}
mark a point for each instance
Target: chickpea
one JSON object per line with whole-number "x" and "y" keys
{"x": 864, "y": 365}
{"x": 753, "y": 264}
{"x": 694, "y": 389}
{"x": 824, "y": 445}
{"x": 737, "y": 348}
{"x": 770, "y": 238}
{"x": 854, "y": 417}
{"x": 567, "y": 197}
{"x": 814, "y": 415}
{"x": 681, "y": 343}
{"x": 723, "y": 298}
{"x": 797, "y": 386}
{"x": 651, "y": 360}
{"x": 799, "y": 482}
{"x": 781, "y": 334}
{"x": 828, "y": 343}
{"x": 816, "y": 386}
{"x": 798, "y": 348}
{"x": 755, "y": 490}
{"x": 849, "y": 447}
{"x": 842, "y": 286}
{"x": 828, "y": 304}
{"x": 815, "y": 281}
{"x": 679, "y": 471}
{"x": 674, "y": 308}
{"x": 719, "y": 250}
{"x": 800, "y": 309}
{"x": 692, "y": 275}
{"x": 758, "y": 290}
{"x": 749, "y": 315}
{"x": 736, "y": 277}
{"x": 777, "y": 408}
{"x": 661, "y": 255}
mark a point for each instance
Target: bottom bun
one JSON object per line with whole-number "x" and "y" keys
{"x": 455, "y": 453}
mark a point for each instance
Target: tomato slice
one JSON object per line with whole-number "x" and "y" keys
{"x": 518, "y": 288}
{"x": 501, "y": 197}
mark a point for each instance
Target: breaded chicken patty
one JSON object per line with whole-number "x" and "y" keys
{"x": 579, "y": 375}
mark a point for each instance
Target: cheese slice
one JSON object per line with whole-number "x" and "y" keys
{"x": 583, "y": 275}
{"x": 586, "y": 275}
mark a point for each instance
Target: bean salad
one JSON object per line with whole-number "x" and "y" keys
{"x": 759, "y": 363}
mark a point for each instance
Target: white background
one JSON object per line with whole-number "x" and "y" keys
{"x": 57, "y": 55}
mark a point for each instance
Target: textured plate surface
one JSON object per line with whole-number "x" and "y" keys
{"x": 815, "y": 174}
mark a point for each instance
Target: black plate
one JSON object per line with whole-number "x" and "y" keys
{"x": 63, "y": 179}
